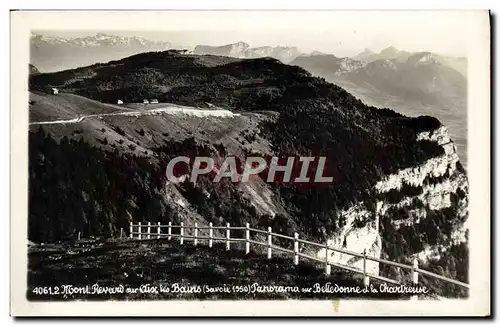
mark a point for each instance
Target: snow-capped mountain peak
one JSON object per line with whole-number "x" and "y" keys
{"x": 243, "y": 50}
{"x": 86, "y": 50}
{"x": 98, "y": 40}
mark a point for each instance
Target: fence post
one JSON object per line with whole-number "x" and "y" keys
{"x": 140, "y": 230}
{"x": 159, "y": 231}
{"x": 327, "y": 266}
{"x": 269, "y": 242}
{"x": 79, "y": 235}
{"x": 121, "y": 233}
{"x": 366, "y": 278}
{"x": 414, "y": 277}
{"x": 182, "y": 233}
{"x": 131, "y": 230}
{"x": 296, "y": 249}
{"x": 228, "y": 236}
{"x": 210, "y": 235}
{"x": 169, "y": 230}
{"x": 149, "y": 230}
{"x": 195, "y": 234}
{"x": 247, "y": 238}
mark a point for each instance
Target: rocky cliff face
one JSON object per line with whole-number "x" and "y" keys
{"x": 357, "y": 238}
{"x": 438, "y": 184}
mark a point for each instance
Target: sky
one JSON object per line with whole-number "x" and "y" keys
{"x": 341, "y": 33}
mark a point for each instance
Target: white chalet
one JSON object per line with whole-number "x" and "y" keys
{"x": 55, "y": 91}
{"x": 154, "y": 101}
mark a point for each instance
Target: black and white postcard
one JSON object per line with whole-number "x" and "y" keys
{"x": 234, "y": 163}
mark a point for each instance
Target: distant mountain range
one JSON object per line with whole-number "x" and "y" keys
{"x": 414, "y": 83}
{"x": 388, "y": 53}
{"x": 52, "y": 53}
{"x": 391, "y": 53}
{"x": 243, "y": 50}
{"x": 425, "y": 77}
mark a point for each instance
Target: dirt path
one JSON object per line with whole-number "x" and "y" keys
{"x": 171, "y": 109}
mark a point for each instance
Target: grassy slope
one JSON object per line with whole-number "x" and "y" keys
{"x": 140, "y": 135}
{"x": 158, "y": 262}
{"x": 47, "y": 107}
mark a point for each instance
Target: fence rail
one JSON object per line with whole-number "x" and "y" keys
{"x": 415, "y": 271}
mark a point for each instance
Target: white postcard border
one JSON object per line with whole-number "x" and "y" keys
{"x": 478, "y": 44}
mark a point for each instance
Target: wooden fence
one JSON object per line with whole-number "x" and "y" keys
{"x": 195, "y": 236}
